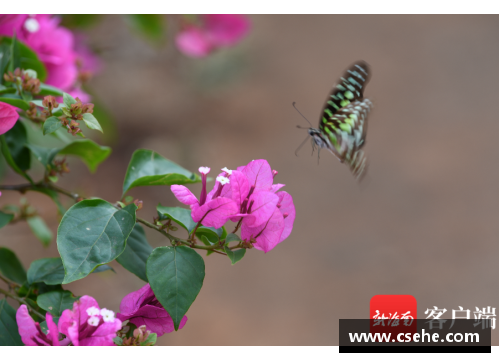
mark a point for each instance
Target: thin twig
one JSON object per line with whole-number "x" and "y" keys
{"x": 20, "y": 300}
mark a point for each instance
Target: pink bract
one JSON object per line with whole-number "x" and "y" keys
{"x": 31, "y": 333}
{"x": 142, "y": 308}
{"x": 215, "y": 31}
{"x": 77, "y": 324}
{"x": 8, "y": 117}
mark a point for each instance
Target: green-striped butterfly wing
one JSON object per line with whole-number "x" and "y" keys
{"x": 343, "y": 123}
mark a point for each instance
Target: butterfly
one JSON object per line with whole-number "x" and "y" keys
{"x": 343, "y": 122}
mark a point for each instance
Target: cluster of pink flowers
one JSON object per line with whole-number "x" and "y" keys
{"x": 65, "y": 58}
{"x": 88, "y": 325}
{"x": 248, "y": 196}
{"x": 214, "y": 31}
{"x": 85, "y": 325}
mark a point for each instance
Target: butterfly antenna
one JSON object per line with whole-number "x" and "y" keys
{"x": 293, "y": 104}
{"x": 302, "y": 144}
{"x": 319, "y": 149}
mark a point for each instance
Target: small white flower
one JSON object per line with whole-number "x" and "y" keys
{"x": 229, "y": 172}
{"x": 204, "y": 170}
{"x": 31, "y": 25}
{"x": 93, "y": 321}
{"x": 93, "y": 311}
{"x": 223, "y": 180}
{"x": 107, "y": 315}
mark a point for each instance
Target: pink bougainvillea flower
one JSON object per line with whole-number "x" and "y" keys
{"x": 211, "y": 210}
{"x": 31, "y": 333}
{"x": 8, "y": 117}
{"x": 87, "y": 325}
{"x": 215, "y": 31}
{"x": 142, "y": 308}
{"x": 193, "y": 42}
{"x": 63, "y": 56}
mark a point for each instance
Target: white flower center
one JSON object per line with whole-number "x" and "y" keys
{"x": 93, "y": 311}
{"x": 204, "y": 170}
{"x": 31, "y": 25}
{"x": 107, "y": 315}
{"x": 228, "y": 171}
{"x": 223, "y": 180}
{"x": 93, "y": 321}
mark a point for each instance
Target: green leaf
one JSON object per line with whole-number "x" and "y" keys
{"x": 151, "y": 26}
{"x": 51, "y": 271}
{"x": 15, "y": 60}
{"x": 48, "y": 90}
{"x": 5, "y": 90}
{"x": 176, "y": 276}
{"x": 53, "y": 195}
{"x": 57, "y": 301}
{"x": 103, "y": 268}
{"x": 68, "y": 100}
{"x": 4, "y": 59}
{"x": 5, "y": 219}
{"x": 236, "y": 255}
{"x": 52, "y": 124}
{"x": 47, "y": 270}
{"x": 43, "y": 154}
{"x": 232, "y": 237}
{"x": 181, "y": 216}
{"x": 91, "y": 122}
{"x": 9, "y": 334}
{"x": 15, "y": 140}
{"x": 11, "y": 267}
{"x": 150, "y": 341}
{"x": 136, "y": 253}
{"x": 16, "y": 102}
{"x": 148, "y": 168}
{"x": 43, "y": 325}
{"x": 118, "y": 341}
{"x": 28, "y": 59}
{"x": 212, "y": 234}
{"x": 90, "y": 152}
{"x": 92, "y": 233}
{"x": 10, "y": 161}
{"x": 40, "y": 229}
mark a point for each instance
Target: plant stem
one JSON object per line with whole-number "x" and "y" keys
{"x": 8, "y": 282}
{"x": 190, "y": 242}
{"x": 20, "y": 300}
{"x": 237, "y": 226}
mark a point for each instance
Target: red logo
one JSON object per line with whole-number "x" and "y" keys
{"x": 393, "y": 314}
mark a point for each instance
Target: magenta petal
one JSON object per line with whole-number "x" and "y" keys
{"x": 193, "y": 42}
{"x": 103, "y": 335}
{"x": 226, "y": 189}
{"x": 226, "y": 29}
{"x": 239, "y": 187}
{"x": 66, "y": 321}
{"x": 264, "y": 203}
{"x": 8, "y": 117}
{"x": 215, "y": 212}
{"x": 133, "y": 301}
{"x": 183, "y": 194}
{"x": 287, "y": 206}
{"x": 156, "y": 319}
{"x": 26, "y": 326}
{"x": 80, "y": 308}
{"x": 276, "y": 187}
{"x": 53, "y": 331}
{"x": 268, "y": 234}
{"x": 259, "y": 174}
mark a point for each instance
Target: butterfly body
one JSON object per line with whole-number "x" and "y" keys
{"x": 343, "y": 122}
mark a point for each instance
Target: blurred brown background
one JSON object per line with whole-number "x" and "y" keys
{"x": 425, "y": 222}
